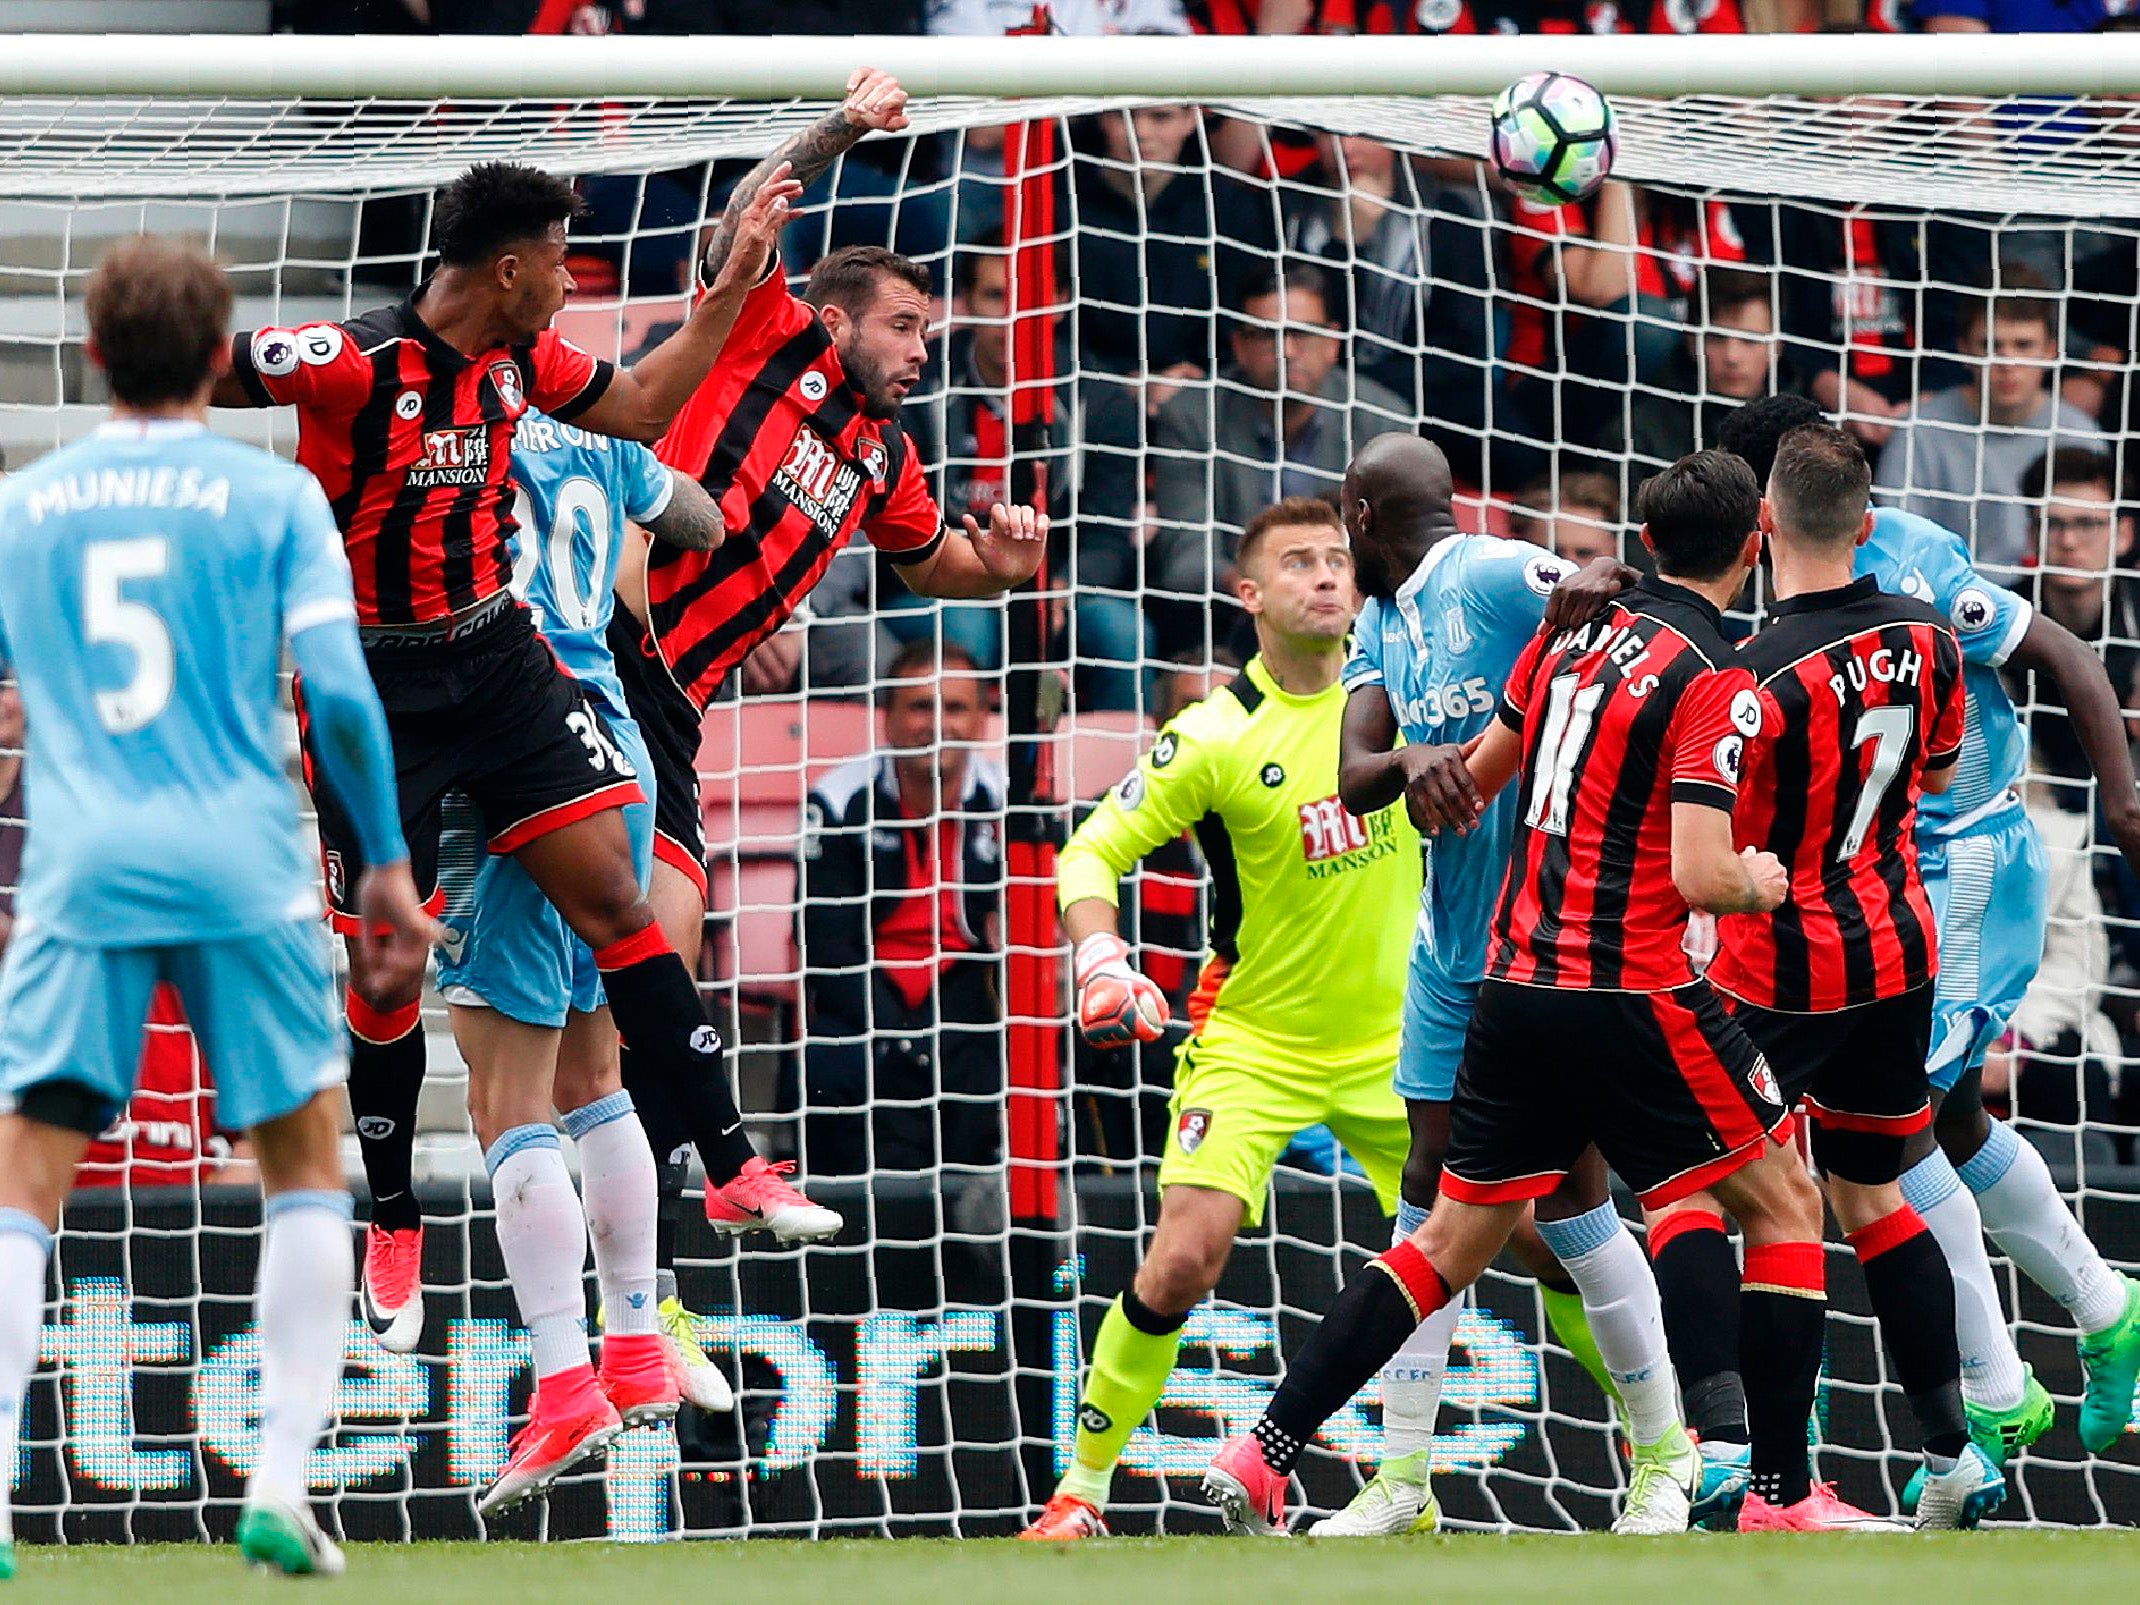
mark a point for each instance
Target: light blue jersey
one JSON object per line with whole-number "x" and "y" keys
{"x": 1912, "y": 556}
{"x": 511, "y": 951}
{"x": 576, "y": 490}
{"x": 148, "y": 577}
{"x": 1441, "y": 651}
{"x": 1978, "y": 855}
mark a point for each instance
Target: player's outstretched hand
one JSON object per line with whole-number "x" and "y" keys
{"x": 1586, "y": 593}
{"x": 2124, "y": 826}
{"x": 1116, "y": 1004}
{"x": 758, "y": 230}
{"x": 875, "y": 100}
{"x": 1012, "y": 545}
{"x": 1439, "y": 793}
{"x": 1771, "y": 880}
{"x": 397, "y": 935}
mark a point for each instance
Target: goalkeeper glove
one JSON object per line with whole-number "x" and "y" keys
{"x": 1115, "y": 1004}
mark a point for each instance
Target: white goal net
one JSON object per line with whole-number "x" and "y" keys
{"x": 1250, "y": 283}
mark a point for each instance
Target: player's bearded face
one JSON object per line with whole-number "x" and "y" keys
{"x": 882, "y": 351}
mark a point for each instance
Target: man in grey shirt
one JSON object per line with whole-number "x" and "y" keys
{"x": 1283, "y": 420}
{"x": 1958, "y": 461}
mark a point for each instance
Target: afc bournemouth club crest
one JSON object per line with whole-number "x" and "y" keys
{"x": 1191, "y": 1130}
{"x": 874, "y": 462}
{"x": 506, "y": 377}
{"x": 1763, "y": 1081}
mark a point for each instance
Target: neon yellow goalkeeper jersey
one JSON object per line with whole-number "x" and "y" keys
{"x": 1312, "y": 909}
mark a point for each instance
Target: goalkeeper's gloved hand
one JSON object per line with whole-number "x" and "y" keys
{"x": 1115, "y": 1004}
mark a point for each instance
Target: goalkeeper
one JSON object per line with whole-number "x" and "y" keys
{"x": 1294, "y": 1017}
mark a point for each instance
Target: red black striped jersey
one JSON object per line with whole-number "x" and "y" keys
{"x": 1862, "y": 694}
{"x": 778, "y": 436}
{"x": 411, "y": 440}
{"x": 1639, "y": 709}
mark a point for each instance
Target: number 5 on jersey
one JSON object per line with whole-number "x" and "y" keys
{"x": 109, "y": 618}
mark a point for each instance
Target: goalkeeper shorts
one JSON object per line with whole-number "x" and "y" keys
{"x": 1234, "y": 1112}
{"x": 263, "y": 1007}
{"x": 513, "y": 952}
{"x": 1989, "y": 889}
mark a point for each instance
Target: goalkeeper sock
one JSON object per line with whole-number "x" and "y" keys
{"x": 1368, "y": 1322}
{"x": 543, "y": 1236}
{"x": 25, "y": 1250}
{"x": 307, "y": 1268}
{"x": 618, "y": 1182}
{"x": 1992, "y": 1374}
{"x": 1623, "y": 1314}
{"x": 1783, "y": 1307}
{"x": 1412, "y": 1380}
{"x": 1698, "y": 1283}
{"x": 2033, "y": 1227}
{"x": 676, "y": 1062}
{"x": 386, "y": 1080}
{"x": 1913, "y": 1299}
{"x": 1132, "y": 1357}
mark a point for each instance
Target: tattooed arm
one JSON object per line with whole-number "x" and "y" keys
{"x": 692, "y": 520}
{"x": 874, "y": 102}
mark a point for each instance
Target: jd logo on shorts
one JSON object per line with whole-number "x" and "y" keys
{"x": 705, "y": 1040}
{"x": 375, "y": 1127}
{"x": 1193, "y": 1127}
{"x": 1093, "y": 1419}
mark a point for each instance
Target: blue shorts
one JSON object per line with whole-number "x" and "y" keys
{"x": 1989, "y": 889}
{"x": 1437, "y": 1013}
{"x": 262, "y": 1006}
{"x": 514, "y": 952}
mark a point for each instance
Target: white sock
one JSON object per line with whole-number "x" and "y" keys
{"x": 1412, "y": 1380}
{"x": 307, "y": 1268}
{"x": 623, "y": 1193}
{"x": 25, "y": 1250}
{"x": 2030, "y": 1222}
{"x": 1991, "y": 1366}
{"x": 543, "y": 1236}
{"x": 1619, "y": 1293}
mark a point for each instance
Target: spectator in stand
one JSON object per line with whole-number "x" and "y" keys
{"x": 2084, "y": 580}
{"x": 1083, "y": 18}
{"x": 1146, "y": 210}
{"x": 1283, "y": 420}
{"x": 1407, "y": 255}
{"x": 1576, "y": 515}
{"x": 1600, "y": 293}
{"x": 901, "y": 935}
{"x": 2009, "y": 16}
{"x": 1958, "y": 461}
{"x": 1726, "y": 359}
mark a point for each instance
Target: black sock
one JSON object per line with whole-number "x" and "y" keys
{"x": 1783, "y": 1308}
{"x": 385, "y": 1081}
{"x": 1367, "y": 1323}
{"x": 1698, "y": 1282}
{"x": 677, "y": 1072}
{"x": 1913, "y": 1297}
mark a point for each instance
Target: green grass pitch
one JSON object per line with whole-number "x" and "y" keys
{"x": 1949, "y": 1569}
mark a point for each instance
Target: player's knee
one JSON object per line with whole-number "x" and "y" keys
{"x": 1961, "y": 1127}
{"x": 619, "y": 913}
{"x": 1175, "y": 1277}
{"x": 1422, "y": 1177}
{"x": 1858, "y": 1204}
{"x": 1774, "y": 1199}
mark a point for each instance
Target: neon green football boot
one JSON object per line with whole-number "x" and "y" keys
{"x": 7, "y": 1559}
{"x": 2111, "y": 1360}
{"x": 2001, "y": 1434}
{"x": 281, "y": 1538}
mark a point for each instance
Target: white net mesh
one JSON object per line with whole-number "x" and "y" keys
{"x": 920, "y": 1374}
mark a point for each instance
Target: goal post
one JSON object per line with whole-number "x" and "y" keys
{"x": 919, "y": 1375}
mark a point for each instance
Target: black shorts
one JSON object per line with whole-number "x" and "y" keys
{"x": 669, "y": 725}
{"x": 1860, "y": 1069}
{"x": 491, "y": 714}
{"x": 1674, "y": 1094}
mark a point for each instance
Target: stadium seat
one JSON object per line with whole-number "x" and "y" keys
{"x": 754, "y": 932}
{"x": 1094, "y": 750}
{"x": 613, "y": 332}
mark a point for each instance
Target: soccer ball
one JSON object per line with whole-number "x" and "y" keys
{"x": 1553, "y": 138}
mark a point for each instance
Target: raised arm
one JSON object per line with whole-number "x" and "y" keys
{"x": 2091, "y": 703}
{"x": 643, "y": 400}
{"x": 875, "y": 103}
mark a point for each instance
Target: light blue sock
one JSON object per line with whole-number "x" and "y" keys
{"x": 1410, "y": 1217}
